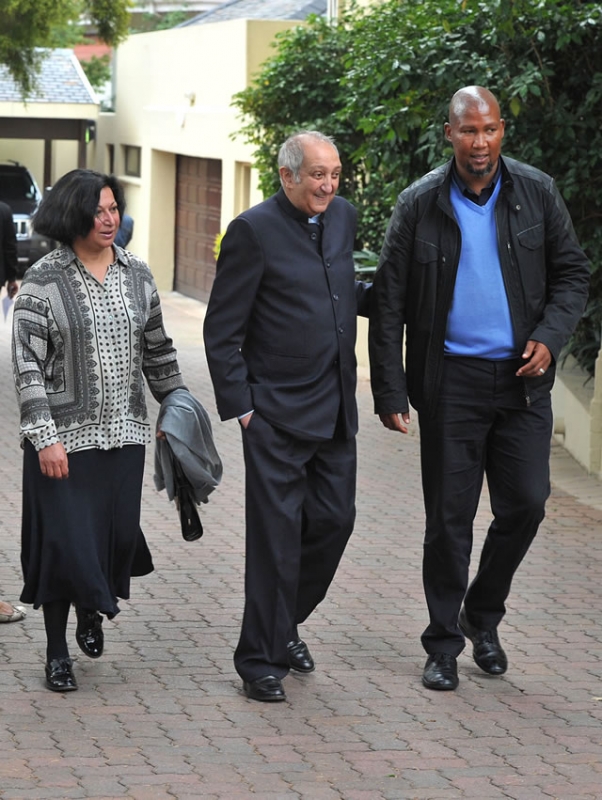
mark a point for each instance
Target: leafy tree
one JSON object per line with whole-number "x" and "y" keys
{"x": 380, "y": 80}
{"x": 31, "y": 24}
{"x": 161, "y": 22}
{"x": 98, "y": 70}
{"x": 300, "y": 87}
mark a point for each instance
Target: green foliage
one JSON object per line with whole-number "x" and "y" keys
{"x": 217, "y": 243}
{"x": 30, "y": 24}
{"x": 98, "y": 70}
{"x": 112, "y": 18}
{"x": 161, "y": 22}
{"x": 365, "y": 262}
{"x": 380, "y": 81}
{"x": 300, "y": 87}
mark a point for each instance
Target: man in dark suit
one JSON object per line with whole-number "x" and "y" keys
{"x": 8, "y": 251}
{"x": 280, "y": 340}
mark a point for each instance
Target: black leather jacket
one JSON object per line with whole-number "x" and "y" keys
{"x": 545, "y": 271}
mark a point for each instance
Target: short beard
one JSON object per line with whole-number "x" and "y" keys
{"x": 480, "y": 172}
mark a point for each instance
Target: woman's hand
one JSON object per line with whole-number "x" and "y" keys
{"x": 54, "y": 462}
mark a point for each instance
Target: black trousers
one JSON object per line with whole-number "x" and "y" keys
{"x": 483, "y": 427}
{"x": 300, "y": 511}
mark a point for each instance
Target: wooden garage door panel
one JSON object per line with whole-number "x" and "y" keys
{"x": 198, "y": 222}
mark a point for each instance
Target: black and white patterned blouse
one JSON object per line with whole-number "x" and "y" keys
{"x": 81, "y": 349}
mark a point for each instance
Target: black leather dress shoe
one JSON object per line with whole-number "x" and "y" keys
{"x": 59, "y": 675}
{"x": 267, "y": 689}
{"x": 88, "y": 634}
{"x": 486, "y": 648}
{"x": 440, "y": 672}
{"x": 299, "y": 657}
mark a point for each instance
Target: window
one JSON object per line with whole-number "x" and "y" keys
{"x": 110, "y": 160}
{"x": 132, "y": 159}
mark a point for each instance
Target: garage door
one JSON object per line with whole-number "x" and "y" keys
{"x": 198, "y": 209}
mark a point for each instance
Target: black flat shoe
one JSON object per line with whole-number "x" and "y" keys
{"x": 299, "y": 657}
{"x": 268, "y": 689}
{"x": 441, "y": 672}
{"x": 88, "y": 634}
{"x": 487, "y": 651}
{"x": 59, "y": 675}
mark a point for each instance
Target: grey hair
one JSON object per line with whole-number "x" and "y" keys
{"x": 291, "y": 153}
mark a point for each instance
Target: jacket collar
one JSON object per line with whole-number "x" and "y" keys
{"x": 292, "y": 211}
{"x": 506, "y": 177}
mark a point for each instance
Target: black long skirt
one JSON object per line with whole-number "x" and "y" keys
{"x": 81, "y": 538}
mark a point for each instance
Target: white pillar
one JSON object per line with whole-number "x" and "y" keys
{"x": 595, "y": 411}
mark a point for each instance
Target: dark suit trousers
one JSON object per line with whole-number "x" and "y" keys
{"x": 483, "y": 427}
{"x": 300, "y": 510}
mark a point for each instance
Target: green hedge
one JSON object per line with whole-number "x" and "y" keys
{"x": 380, "y": 81}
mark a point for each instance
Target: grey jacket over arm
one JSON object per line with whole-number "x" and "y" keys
{"x": 189, "y": 440}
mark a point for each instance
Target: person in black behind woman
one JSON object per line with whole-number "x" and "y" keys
{"x": 87, "y": 326}
{"x": 8, "y": 274}
{"x": 280, "y": 341}
{"x": 8, "y": 251}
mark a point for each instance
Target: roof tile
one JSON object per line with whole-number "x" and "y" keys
{"x": 60, "y": 80}
{"x": 260, "y": 9}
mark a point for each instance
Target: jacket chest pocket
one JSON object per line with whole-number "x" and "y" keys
{"x": 426, "y": 252}
{"x": 530, "y": 253}
{"x": 531, "y": 238}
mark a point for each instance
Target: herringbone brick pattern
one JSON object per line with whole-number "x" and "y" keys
{"x": 161, "y": 716}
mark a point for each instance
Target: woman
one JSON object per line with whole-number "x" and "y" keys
{"x": 87, "y": 326}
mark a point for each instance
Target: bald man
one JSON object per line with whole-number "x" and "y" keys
{"x": 482, "y": 275}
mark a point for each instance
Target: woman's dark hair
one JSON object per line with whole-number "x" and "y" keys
{"x": 69, "y": 208}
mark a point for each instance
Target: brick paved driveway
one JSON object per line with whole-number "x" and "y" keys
{"x": 161, "y": 715}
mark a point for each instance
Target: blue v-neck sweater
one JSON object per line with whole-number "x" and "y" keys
{"x": 479, "y": 323}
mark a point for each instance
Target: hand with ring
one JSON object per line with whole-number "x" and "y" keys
{"x": 537, "y": 358}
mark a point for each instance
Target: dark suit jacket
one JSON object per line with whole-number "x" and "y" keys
{"x": 8, "y": 246}
{"x": 281, "y": 321}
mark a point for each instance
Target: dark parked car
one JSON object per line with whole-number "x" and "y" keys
{"x": 20, "y": 191}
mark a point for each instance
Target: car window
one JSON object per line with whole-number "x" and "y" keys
{"x": 16, "y": 187}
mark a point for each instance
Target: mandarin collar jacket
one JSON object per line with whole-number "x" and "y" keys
{"x": 280, "y": 326}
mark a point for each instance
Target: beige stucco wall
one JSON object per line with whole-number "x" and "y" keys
{"x": 172, "y": 96}
{"x": 30, "y": 152}
{"x": 577, "y": 405}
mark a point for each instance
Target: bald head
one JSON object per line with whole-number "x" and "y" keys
{"x": 472, "y": 97}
